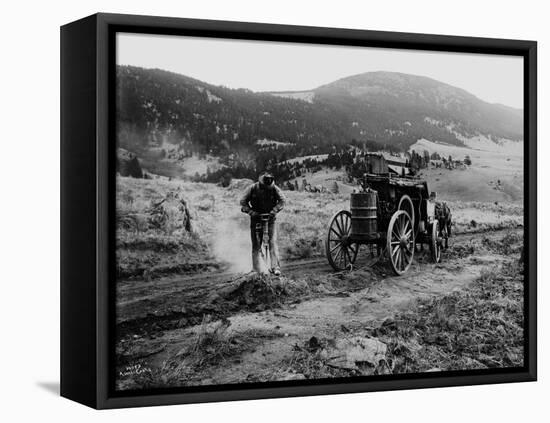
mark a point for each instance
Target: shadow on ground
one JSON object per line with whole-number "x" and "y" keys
{"x": 51, "y": 387}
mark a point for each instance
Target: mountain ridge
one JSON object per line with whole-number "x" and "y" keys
{"x": 157, "y": 107}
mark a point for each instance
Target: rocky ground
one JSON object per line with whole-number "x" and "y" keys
{"x": 223, "y": 327}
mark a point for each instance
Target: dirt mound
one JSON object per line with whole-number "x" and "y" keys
{"x": 259, "y": 291}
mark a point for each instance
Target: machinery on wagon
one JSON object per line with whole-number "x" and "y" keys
{"x": 390, "y": 217}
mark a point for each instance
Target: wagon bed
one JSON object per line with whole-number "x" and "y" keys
{"x": 390, "y": 217}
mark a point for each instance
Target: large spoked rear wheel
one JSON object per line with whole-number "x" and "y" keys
{"x": 400, "y": 242}
{"x": 341, "y": 252}
{"x": 406, "y": 204}
{"x": 436, "y": 240}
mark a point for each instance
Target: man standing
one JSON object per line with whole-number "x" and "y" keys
{"x": 263, "y": 198}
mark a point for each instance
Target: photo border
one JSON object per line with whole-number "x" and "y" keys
{"x": 108, "y": 25}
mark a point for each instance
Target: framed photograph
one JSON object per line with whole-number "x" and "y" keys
{"x": 255, "y": 211}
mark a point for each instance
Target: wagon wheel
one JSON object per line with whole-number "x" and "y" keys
{"x": 435, "y": 245}
{"x": 341, "y": 252}
{"x": 400, "y": 242}
{"x": 406, "y": 204}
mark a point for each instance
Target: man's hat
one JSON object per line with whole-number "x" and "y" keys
{"x": 267, "y": 178}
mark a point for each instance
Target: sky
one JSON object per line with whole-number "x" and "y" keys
{"x": 276, "y": 66}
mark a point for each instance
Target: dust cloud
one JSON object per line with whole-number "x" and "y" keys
{"x": 232, "y": 245}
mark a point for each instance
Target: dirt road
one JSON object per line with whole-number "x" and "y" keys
{"x": 158, "y": 319}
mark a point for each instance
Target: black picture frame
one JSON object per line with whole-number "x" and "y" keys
{"x": 87, "y": 207}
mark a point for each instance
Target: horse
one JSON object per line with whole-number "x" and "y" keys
{"x": 444, "y": 217}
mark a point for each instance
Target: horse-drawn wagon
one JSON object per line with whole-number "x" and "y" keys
{"x": 390, "y": 216}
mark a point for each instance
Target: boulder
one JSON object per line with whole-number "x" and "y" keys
{"x": 288, "y": 375}
{"x": 127, "y": 164}
{"x": 171, "y": 213}
{"x": 350, "y": 353}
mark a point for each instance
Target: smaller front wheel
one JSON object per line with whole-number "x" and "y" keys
{"x": 435, "y": 245}
{"x": 400, "y": 242}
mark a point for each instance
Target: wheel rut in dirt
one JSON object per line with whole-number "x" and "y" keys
{"x": 148, "y": 308}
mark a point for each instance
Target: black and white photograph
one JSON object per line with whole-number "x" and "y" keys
{"x": 307, "y": 212}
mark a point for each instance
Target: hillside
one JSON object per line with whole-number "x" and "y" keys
{"x": 165, "y": 118}
{"x": 399, "y": 109}
{"x": 156, "y": 108}
{"x": 494, "y": 175}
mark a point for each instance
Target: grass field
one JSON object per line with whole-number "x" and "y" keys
{"x": 493, "y": 175}
{"x": 220, "y": 237}
{"x": 220, "y": 232}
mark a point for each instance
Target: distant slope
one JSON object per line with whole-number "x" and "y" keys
{"x": 297, "y": 95}
{"x": 494, "y": 175}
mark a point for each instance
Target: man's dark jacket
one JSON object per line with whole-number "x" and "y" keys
{"x": 262, "y": 199}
